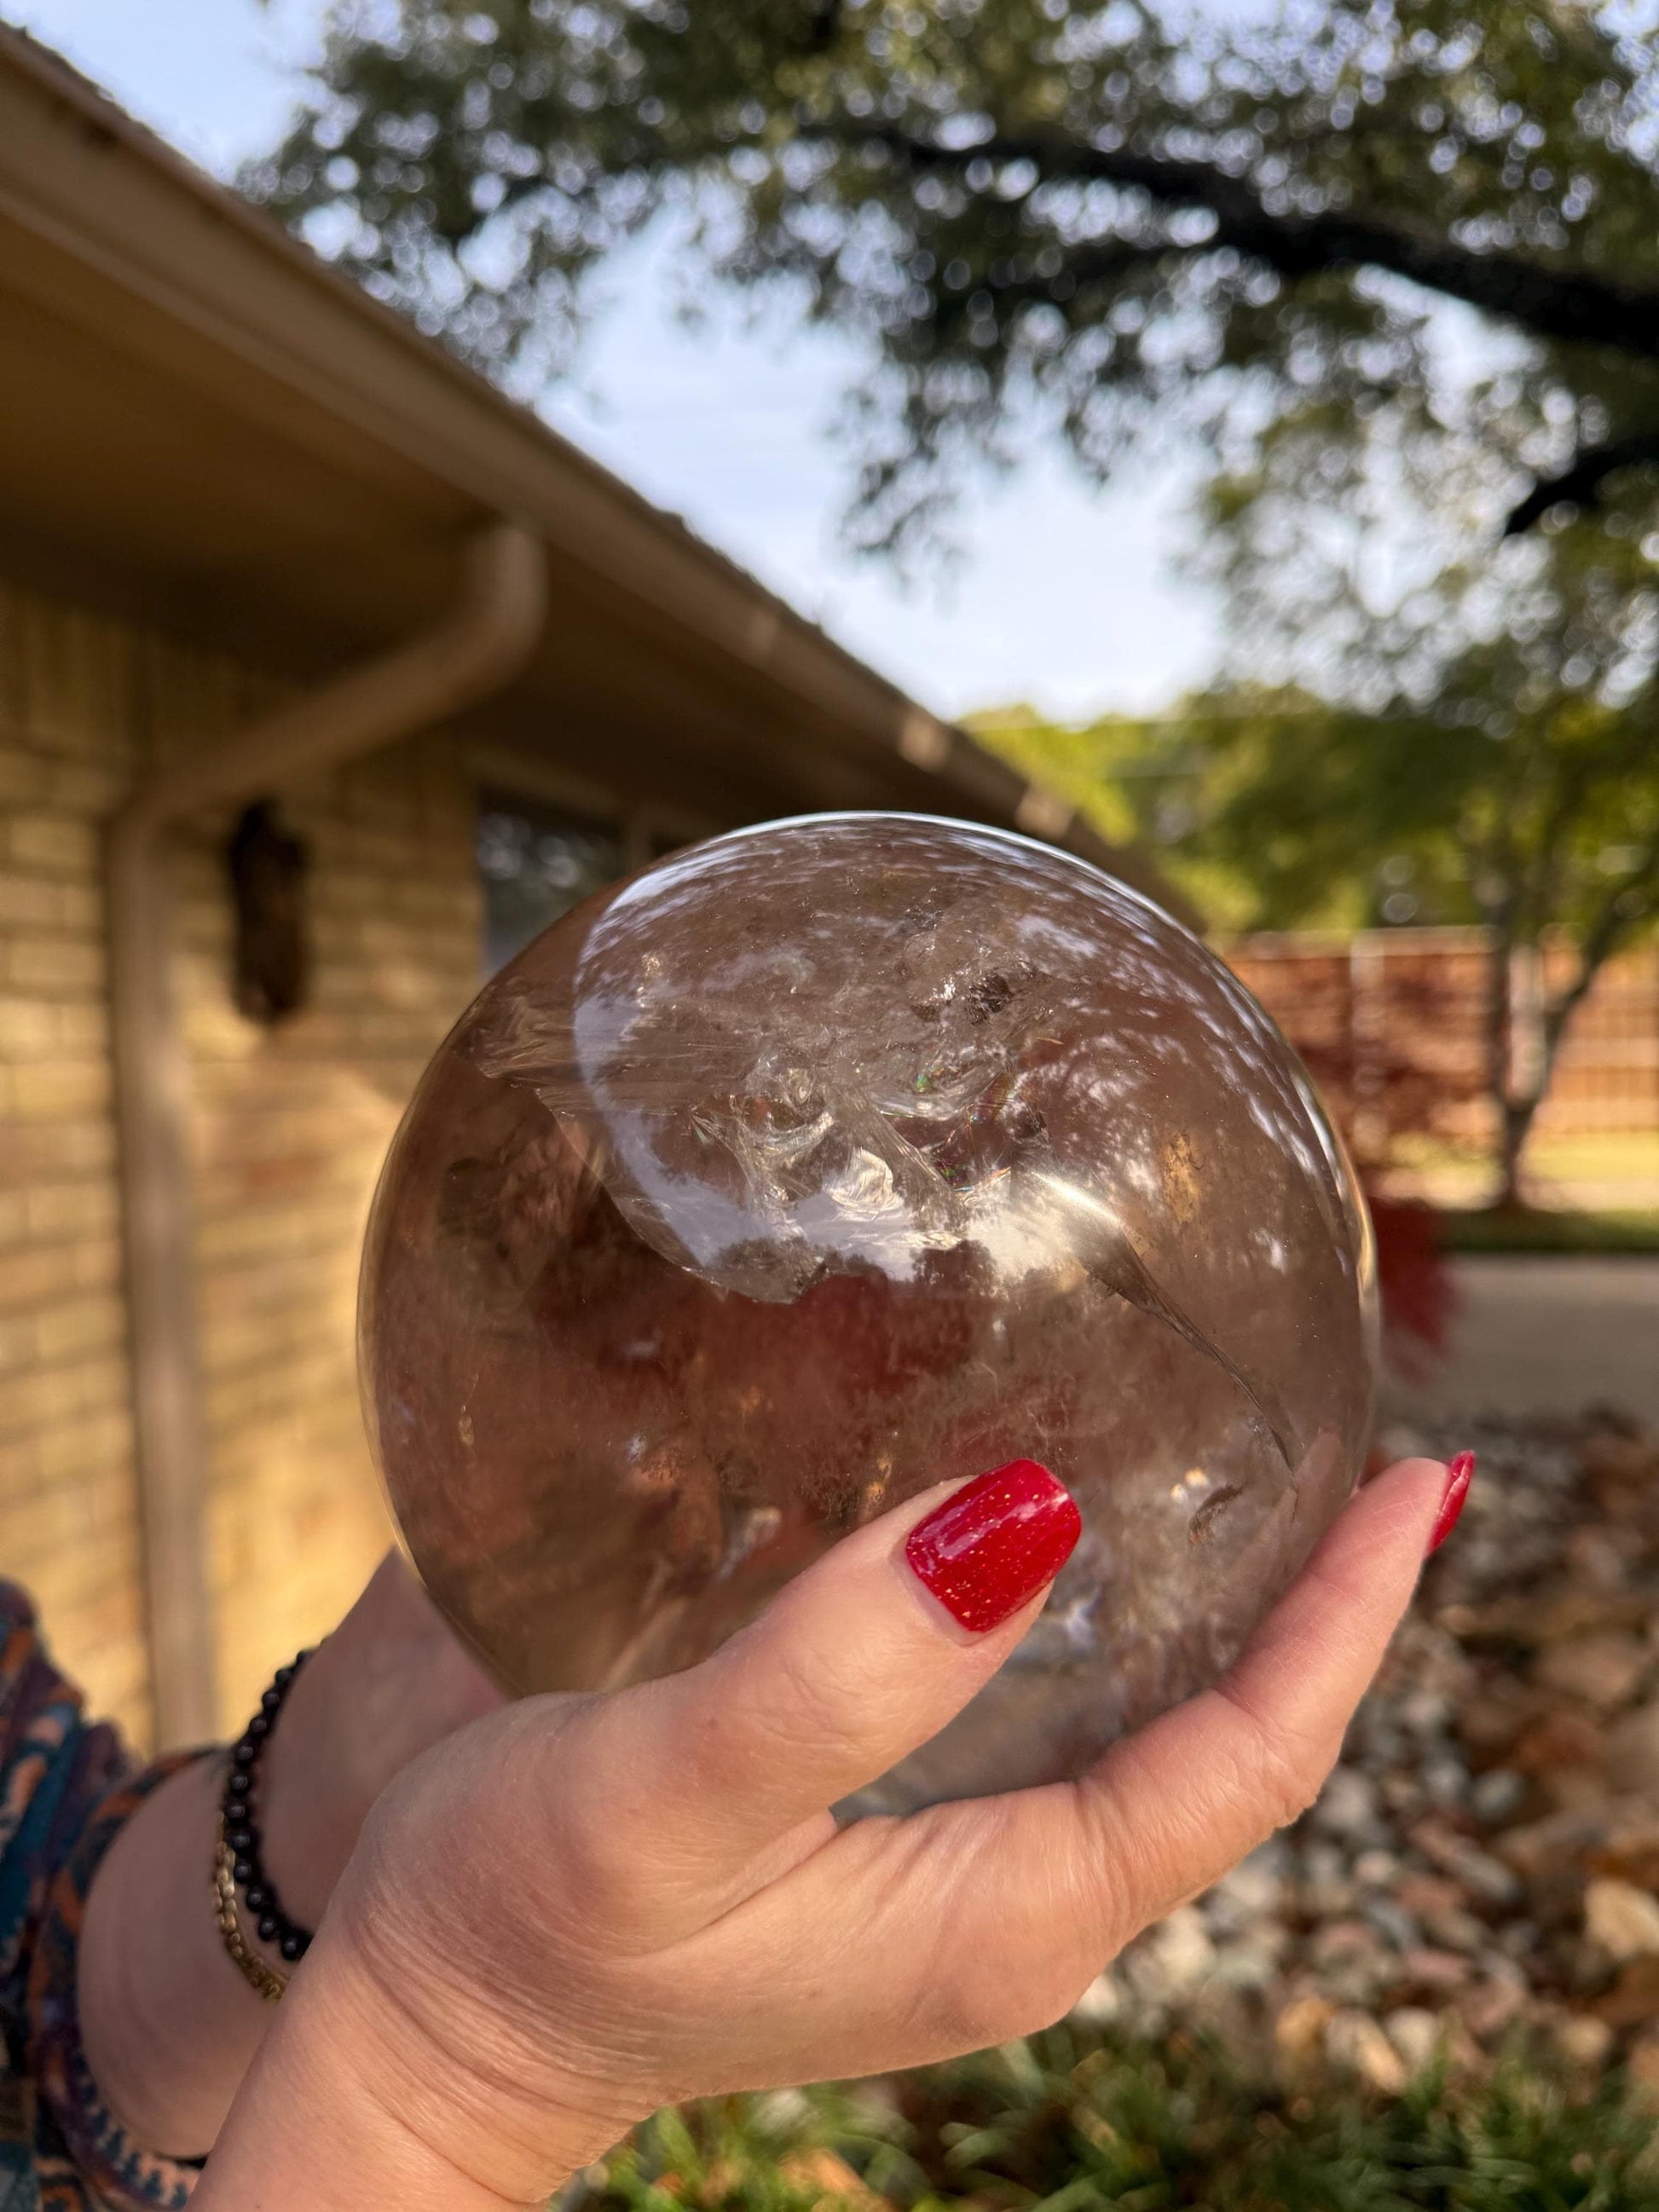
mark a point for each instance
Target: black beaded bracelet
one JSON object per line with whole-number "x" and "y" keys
{"x": 238, "y": 1807}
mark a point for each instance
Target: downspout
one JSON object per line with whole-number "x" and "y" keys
{"x": 478, "y": 648}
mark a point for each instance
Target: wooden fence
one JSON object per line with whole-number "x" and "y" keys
{"x": 1391, "y": 1025}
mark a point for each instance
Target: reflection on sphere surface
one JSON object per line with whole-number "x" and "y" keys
{"x": 827, "y": 1161}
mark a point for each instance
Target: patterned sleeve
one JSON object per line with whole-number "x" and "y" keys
{"x": 66, "y": 1787}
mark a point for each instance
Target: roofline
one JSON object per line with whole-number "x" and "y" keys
{"x": 210, "y": 264}
{"x": 61, "y": 82}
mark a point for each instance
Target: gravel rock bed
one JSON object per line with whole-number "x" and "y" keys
{"x": 1482, "y": 1869}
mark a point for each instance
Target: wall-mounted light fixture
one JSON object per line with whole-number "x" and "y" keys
{"x": 270, "y": 971}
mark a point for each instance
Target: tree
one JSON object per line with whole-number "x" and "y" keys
{"x": 1273, "y": 808}
{"x": 1090, "y": 214}
{"x": 1398, "y": 262}
{"x": 1146, "y": 781}
{"x": 1552, "y": 818}
{"x": 1465, "y": 733}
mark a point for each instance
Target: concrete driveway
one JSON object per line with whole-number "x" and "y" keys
{"x": 1546, "y": 1335}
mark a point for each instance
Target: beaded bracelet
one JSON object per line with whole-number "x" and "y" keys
{"x": 264, "y": 1980}
{"x": 239, "y": 1858}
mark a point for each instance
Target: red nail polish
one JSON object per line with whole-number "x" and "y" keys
{"x": 993, "y": 1545}
{"x": 1460, "y": 1474}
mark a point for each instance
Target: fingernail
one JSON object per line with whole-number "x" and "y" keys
{"x": 993, "y": 1545}
{"x": 1460, "y": 1474}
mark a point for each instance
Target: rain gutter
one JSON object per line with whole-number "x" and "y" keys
{"x": 475, "y": 650}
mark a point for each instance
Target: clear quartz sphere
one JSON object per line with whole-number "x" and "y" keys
{"x": 827, "y": 1161}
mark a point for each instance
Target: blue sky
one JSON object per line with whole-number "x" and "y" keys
{"x": 1064, "y": 596}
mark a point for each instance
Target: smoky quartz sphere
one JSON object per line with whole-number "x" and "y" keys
{"x": 828, "y": 1161}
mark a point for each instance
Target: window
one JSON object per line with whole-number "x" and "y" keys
{"x": 536, "y": 864}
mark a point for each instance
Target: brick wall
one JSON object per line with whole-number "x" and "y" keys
{"x": 67, "y": 1525}
{"x": 288, "y": 1130}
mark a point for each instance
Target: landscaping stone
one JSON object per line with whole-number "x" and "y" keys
{"x": 1416, "y": 2034}
{"x": 1356, "y": 2043}
{"x": 1623, "y": 1920}
{"x": 1484, "y": 1861}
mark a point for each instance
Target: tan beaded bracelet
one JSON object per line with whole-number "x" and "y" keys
{"x": 254, "y": 1971}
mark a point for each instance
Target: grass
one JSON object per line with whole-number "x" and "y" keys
{"x": 1547, "y": 1229}
{"x": 1066, "y": 2123}
{"x": 1589, "y": 1195}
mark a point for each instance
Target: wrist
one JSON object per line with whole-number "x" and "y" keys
{"x": 315, "y": 1786}
{"x": 388, "y": 1683}
{"x": 167, "y": 2024}
{"x": 344, "y": 2109}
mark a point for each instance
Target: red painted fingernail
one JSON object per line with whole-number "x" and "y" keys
{"x": 986, "y": 1551}
{"x": 1460, "y": 1474}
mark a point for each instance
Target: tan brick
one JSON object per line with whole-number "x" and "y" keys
{"x": 19, "y": 1344}
{"x": 238, "y": 1236}
{"x": 80, "y": 909}
{"x": 38, "y": 1150}
{"x": 28, "y": 1028}
{"x": 235, "y": 1349}
{"x": 83, "y": 1028}
{"x": 47, "y": 963}
{"x": 19, "y": 1468}
{"x": 41, "y": 1275}
{"x": 97, "y": 1262}
{"x": 87, "y": 1453}
{"x": 93, "y": 1456}
{"x": 25, "y": 903}
{"x": 340, "y": 896}
{"x": 25, "y": 778}
{"x": 93, "y": 1323}
{"x": 52, "y": 844}
{"x": 59, "y": 1210}
{"x": 47, "y": 1397}
{"x": 47, "y": 1526}
{"x": 50, "y": 1090}
{"x": 35, "y": 1274}
{"x": 87, "y": 786}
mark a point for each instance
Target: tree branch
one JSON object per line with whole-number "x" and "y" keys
{"x": 1580, "y": 483}
{"x": 1602, "y": 941}
{"x": 824, "y": 27}
{"x": 1564, "y": 305}
{"x": 1101, "y": 261}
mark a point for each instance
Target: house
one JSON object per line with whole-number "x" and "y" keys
{"x": 289, "y": 601}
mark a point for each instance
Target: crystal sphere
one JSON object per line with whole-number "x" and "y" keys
{"x": 827, "y": 1161}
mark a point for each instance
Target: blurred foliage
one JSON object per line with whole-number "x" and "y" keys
{"x": 1117, "y": 218}
{"x": 1068, "y": 2124}
{"x": 1395, "y": 265}
{"x": 1273, "y": 808}
{"x": 1148, "y": 783}
{"x": 1521, "y": 793}
{"x": 1127, "y": 221}
{"x": 1487, "y": 733}
{"x": 1547, "y": 1230}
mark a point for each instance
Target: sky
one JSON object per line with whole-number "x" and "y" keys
{"x": 1063, "y": 595}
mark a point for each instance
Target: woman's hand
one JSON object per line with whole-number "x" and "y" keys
{"x": 582, "y": 1908}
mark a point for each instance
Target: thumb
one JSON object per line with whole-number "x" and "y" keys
{"x": 857, "y": 1662}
